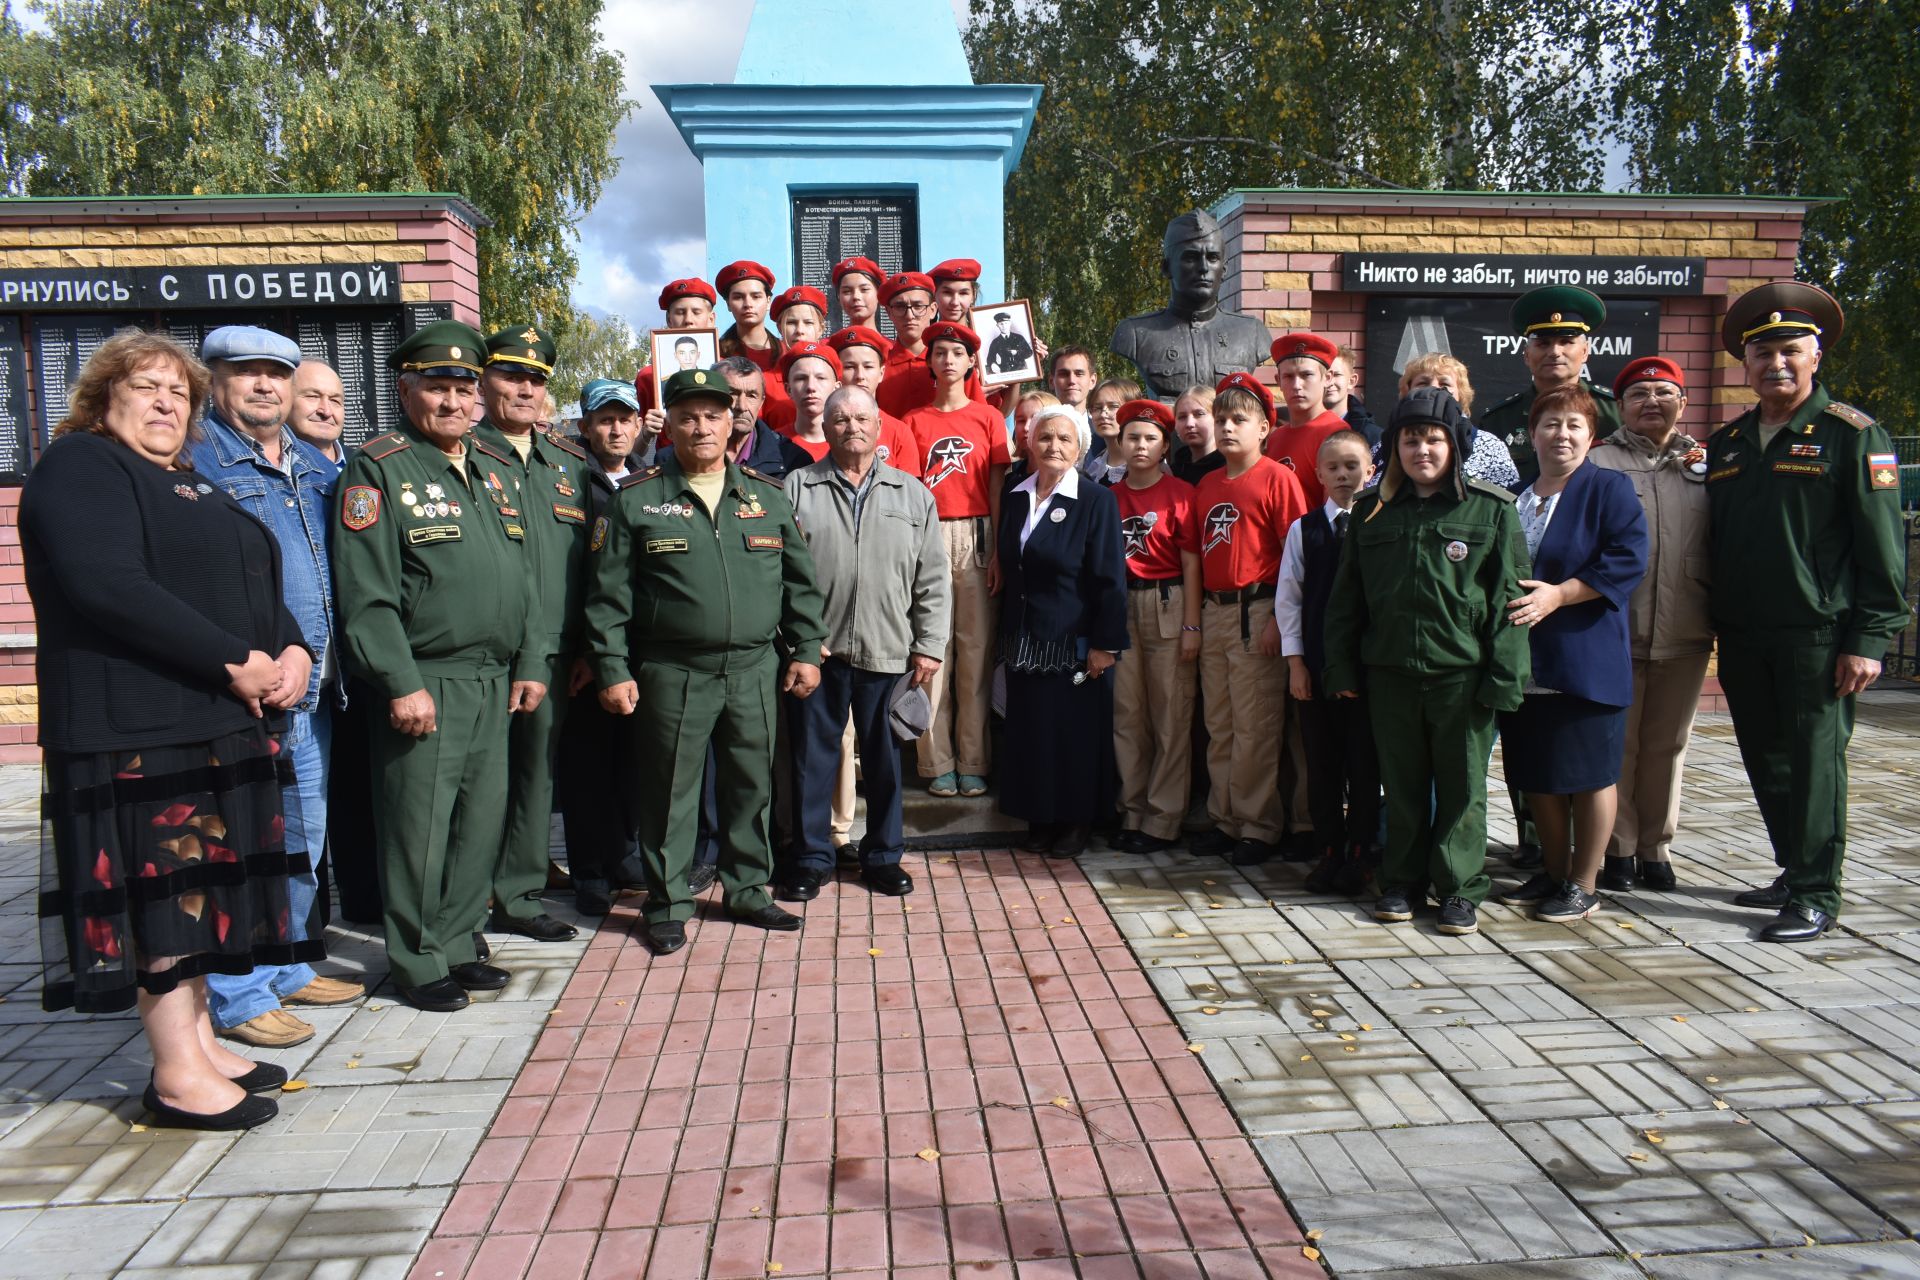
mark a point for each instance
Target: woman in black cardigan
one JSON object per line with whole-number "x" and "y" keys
{"x": 164, "y": 649}
{"x": 1063, "y": 623}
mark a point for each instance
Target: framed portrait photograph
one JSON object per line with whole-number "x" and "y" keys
{"x": 677, "y": 349}
{"x": 1006, "y": 343}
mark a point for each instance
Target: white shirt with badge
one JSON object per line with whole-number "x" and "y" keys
{"x": 1042, "y": 508}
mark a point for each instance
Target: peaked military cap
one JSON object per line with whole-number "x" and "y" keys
{"x": 443, "y": 349}
{"x": 1783, "y": 309}
{"x": 691, "y": 383}
{"x": 525, "y": 345}
{"x": 1558, "y": 308}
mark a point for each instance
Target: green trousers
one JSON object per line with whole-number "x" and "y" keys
{"x": 439, "y": 802}
{"x": 533, "y": 745}
{"x": 1433, "y": 738}
{"x": 681, "y": 712}
{"x": 1793, "y": 736}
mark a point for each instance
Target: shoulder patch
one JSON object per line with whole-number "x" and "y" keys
{"x": 1599, "y": 392}
{"x": 1848, "y": 414}
{"x": 1489, "y": 488}
{"x": 483, "y": 447}
{"x": 648, "y": 474}
{"x": 380, "y": 446}
{"x": 761, "y": 476}
{"x": 565, "y": 445}
{"x": 360, "y": 508}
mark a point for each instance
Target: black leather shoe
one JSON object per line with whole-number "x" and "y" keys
{"x": 1326, "y": 873}
{"x": 769, "y": 917}
{"x": 664, "y": 937}
{"x": 1458, "y": 917}
{"x": 847, "y": 855}
{"x": 891, "y": 881}
{"x": 1144, "y": 843}
{"x": 244, "y": 1114}
{"x": 478, "y": 977}
{"x": 702, "y": 878}
{"x": 541, "y": 928}
{"x": 801, "y": 886}
{"x": 1395, "y": 905}
{"x": 1251, "y": 853}
{"x": 264, "y": 1078}
{"x": 1526, "y": 856}
{"x": 592, "y": 898}
{"x": 1797, "y": 923}
{"x": 1211, "y": 844}
{"x": 1772, "y": 898}
{"x": 443, "y": 995}
{"x": 480, "y": 948}
{"x": 1071, "y": 842}
{"x": 1126, "y": 840}
{"x": 1657, "y": 875}
{"x": 1039, "y": 838}
{"x": 1617, "y": 874}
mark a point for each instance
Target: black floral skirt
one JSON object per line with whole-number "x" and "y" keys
{"x": 163, "y": 865}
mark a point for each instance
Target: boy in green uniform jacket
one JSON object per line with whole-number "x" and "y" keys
{"x": 430, "y": 562}
{"x": 697, "y": 573}
{"x": 1419, "y": 614}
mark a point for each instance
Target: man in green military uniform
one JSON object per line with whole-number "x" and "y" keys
{"x": 1556, "y": 322}
{"x": 548, "y": 478}
{"x": 430, "y": 561}
{"x": 698, "y": 572}
{"x": 1809, "y": 581}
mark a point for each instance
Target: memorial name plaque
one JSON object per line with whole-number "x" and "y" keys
{"x": 882, "y": 225}
{"x": 1500, "y": 274}
{"x": 60, "y": 347}
{"x": 15, "y": 439}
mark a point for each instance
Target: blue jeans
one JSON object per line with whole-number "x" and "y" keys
{"x": 818, "y": 722}
{"x": 232, "y": 1000}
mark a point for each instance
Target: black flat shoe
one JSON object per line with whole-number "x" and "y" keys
{"x": 1797, "y": 923}
{"x": 1124, "y": 841}
{"x": 1039, "y": 838}
{"x": 1251, "y": 853}
{"x": 541, "y": 928}
{"x": 443, "y": 995}
{"x": 889, "y": 881}
{"x": 1616, "y": 874}
{"x": 244, "y": 1114}
{"x": 264, "y": 1078}
{"x": 1144, "y": 843}
{"x": 1771, "y": 898}
{"x": 664, "y": 937}
{"x": 801, "y": 886}
{"x": 1211, "y": 844}
{"x": 478, "y": 977}
{"x": 592, "y": 898}
{"x": 702, "y": 878}
{"x": 769, "y": 917}
{"x": 1072, "y": 842}
{"x": 1657, "y": 875}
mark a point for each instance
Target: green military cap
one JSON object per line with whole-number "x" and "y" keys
{"x": 1558, "y": 308}
{"x": 1783, "y": 309}
{"x": 526, "y": 345}
{"x": 443, "y": 349}
{"x": 689, "y": 383}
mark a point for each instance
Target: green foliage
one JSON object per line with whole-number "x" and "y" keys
{"x": 594, "y": 349}
{"x": 1153, "y": 107}
{"x": 512, "y": 103}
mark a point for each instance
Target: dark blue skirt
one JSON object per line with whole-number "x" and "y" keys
{"x": 1560, "y": 745}
{"x": 1056, "y": 757}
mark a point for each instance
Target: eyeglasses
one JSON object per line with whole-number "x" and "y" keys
{"x": 911, "y": 308}
{"x": 1662, "y": 393}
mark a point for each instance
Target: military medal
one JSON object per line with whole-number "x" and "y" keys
{"x": 186, "y": 491}
{"x": 1456, "y": 551}
{"x": 408, "y": 496}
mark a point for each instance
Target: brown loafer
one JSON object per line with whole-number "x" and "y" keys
{"x": 274, "y": 1029}
{"x": 324, "y": 991}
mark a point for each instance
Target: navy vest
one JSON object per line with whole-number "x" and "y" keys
{"x": 1320, "y": 556}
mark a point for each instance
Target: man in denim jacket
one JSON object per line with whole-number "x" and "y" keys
{"x": 248, "y": 450}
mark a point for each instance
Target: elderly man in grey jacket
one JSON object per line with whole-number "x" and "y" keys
{"x": 882, "y": 566}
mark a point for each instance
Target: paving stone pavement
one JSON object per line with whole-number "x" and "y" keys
{"x": 1130, "y": 1066}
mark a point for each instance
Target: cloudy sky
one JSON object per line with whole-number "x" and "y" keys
{"x": 650, "y": 226}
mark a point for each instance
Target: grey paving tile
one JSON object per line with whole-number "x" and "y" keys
{"x": 80, "y": 1241}
{"x": 1330, "y": 1080}
{"x": 1709, "y": 1182}
{"x": 1551, "y": 1070}
{"x": 1833, "y": 973}
{"x": 1557, "y": 1269}
{"x": 292, "y": 1230}
{"x": 1854, "y": 1261}
{"x": 1660, "y": 980}
{"x": 1776, "y": 1058}
{"x": 398, "y": 1043}
{"x": 1427, "y": 1197}
{"x": 92, "y": 1152}
{"x": 1345, "y": 931}
{"x": 1474, "y": 990}
{"x": 1860, "y": 1151}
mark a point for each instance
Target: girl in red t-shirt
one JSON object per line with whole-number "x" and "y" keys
{"x": 1153, "y": 687}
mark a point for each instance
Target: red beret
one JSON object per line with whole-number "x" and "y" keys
{"x": 1649, "y": 369}
{"x": 860, "y": 266}
{"x": 1310, "y": 345}
{"x": 859, "y": 335}
{"x": 808, "y": 351}
{"x": 943, "y": 330}
{"x": 899, "y": 284}
{"x": 1252, "y": 386}
{"x": 956, "y": 269}
{"x": 1152, "y": 410}
{"x": 734, "y": 272}
{"x": 799, "y": 293}
{"x": 678, "y": 289}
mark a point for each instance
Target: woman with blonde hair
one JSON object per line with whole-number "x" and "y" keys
{"x": 166, "y": 655}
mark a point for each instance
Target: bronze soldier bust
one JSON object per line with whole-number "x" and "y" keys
{"x": 1190, "y": 340}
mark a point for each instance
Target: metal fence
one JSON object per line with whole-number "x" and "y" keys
{"x": 1903, "y": 658}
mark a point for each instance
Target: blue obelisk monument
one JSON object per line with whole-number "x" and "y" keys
{"x": 804, "y": 169}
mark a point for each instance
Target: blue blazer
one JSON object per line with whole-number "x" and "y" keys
{"x": 1598, "y": 534}
{"x": 1069, "y": 586}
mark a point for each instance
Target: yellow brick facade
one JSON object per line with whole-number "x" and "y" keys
{"x": 236, "y": 244}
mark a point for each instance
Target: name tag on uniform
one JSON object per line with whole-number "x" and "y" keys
{"x": 765, "y": 542}
{"x": 1722, "y": 473}
{"x": 657, "y": 545}
{"x": 572, "y": 515}
{"x": 1799, "y": 469}
{"x": 433, "y": 533}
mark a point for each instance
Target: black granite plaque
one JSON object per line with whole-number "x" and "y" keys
{"x": 828, "y": 228}
{"x": 16, "y": 440}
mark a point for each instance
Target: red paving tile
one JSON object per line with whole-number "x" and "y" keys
{"x": 764, "y": 1099}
